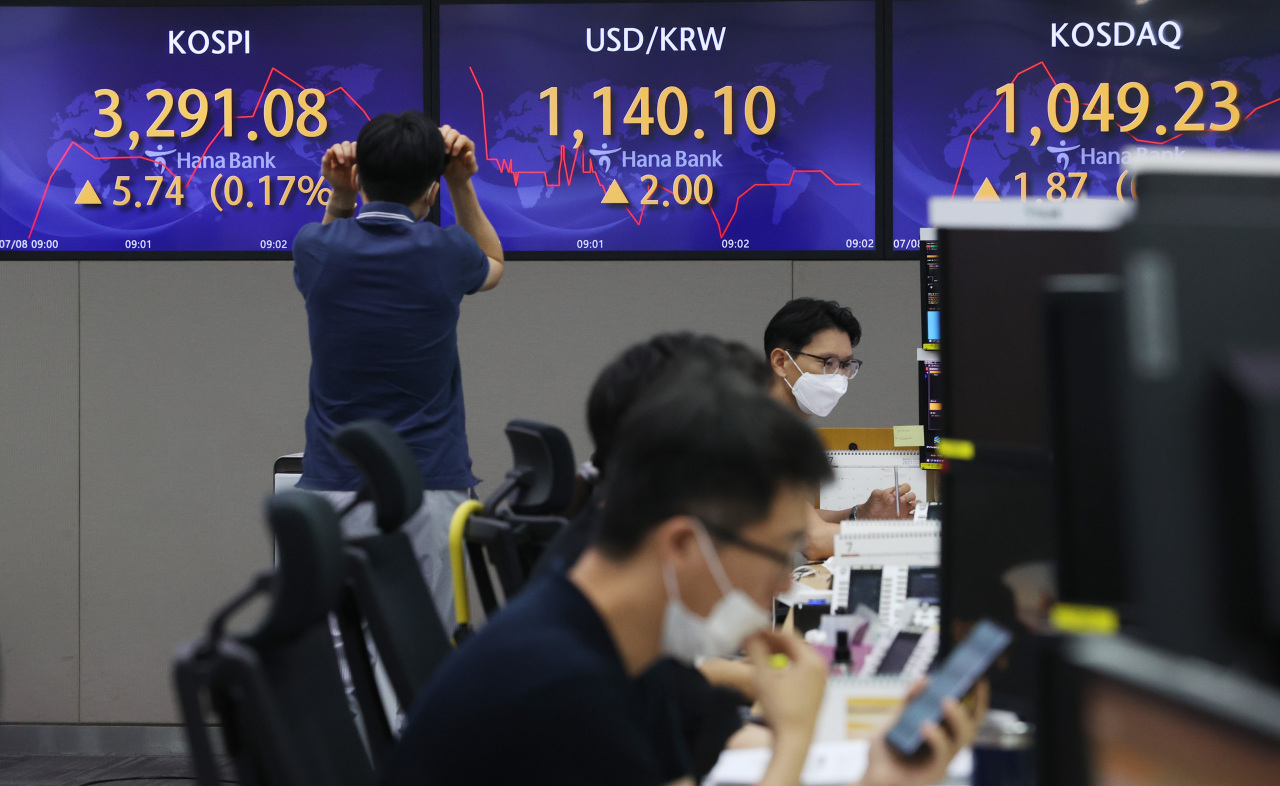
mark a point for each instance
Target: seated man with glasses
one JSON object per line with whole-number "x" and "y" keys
{"x": 705, "y": 505}
{"x": 809, "y": 345}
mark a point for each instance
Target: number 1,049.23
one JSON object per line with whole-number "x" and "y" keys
{"x": 1064, "y": 99}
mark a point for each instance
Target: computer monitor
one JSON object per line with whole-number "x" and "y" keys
{"x": 931, "y": 382}
{"x": 1082, "y": 330}
{"x": 998, "y": 538}
{"x": 1200, "y": 277}
{"x": 998, "y": 562}
{"x": 1247, "y": 405}
{"x": 930, "y": 290}
{"x": 994, "y": 259}
{"x": 1140, "y": 716}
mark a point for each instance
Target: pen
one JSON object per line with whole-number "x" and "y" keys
{"x": 897, "y": 502}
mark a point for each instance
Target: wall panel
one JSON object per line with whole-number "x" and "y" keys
{"x": 532, "y": 347}
{"x": 39, "y": 532}
{"x": 194, "y": 379}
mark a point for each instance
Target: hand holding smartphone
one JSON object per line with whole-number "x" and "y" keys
{"x": 962, "y": 669}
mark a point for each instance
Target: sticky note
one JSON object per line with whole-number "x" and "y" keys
{"x": 908, "y": 436}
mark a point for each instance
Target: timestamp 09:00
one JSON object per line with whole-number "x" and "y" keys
{"x": 23, "y": 244}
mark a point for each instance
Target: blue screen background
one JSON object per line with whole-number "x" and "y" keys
{"x": 55, "y": 59}
{"x": 817, "y": 58}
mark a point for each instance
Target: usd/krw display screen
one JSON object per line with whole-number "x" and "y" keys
{"x": 187, "y": 130}
{"x": 997, "y": 99}
{"x": 668, "y": 128}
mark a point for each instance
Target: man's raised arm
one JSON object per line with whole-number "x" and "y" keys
{"x": 466, "y": 208}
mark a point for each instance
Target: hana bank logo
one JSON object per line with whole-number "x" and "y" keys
{"x": 602, "y": 157}
{"x": 158, "y": 156}
{"x": 1063, "y": 159}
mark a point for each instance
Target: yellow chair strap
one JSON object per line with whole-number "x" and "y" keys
{"x": 457, "y": 558}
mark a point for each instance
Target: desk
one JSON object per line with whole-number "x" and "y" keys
{"x": 853, "y": 710}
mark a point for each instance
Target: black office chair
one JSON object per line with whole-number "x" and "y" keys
{"x": 383, "y": 587}
{"x": 277, "y": 691}
{"x": 512, "y": 529}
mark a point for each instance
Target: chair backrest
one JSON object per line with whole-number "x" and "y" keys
{"x": 278, "y": 691}
{"x": 386, "y": 593}
{"x": 507, "y": 536}
{"x": 392, "y": 478}
{"x": 542, "y": 458}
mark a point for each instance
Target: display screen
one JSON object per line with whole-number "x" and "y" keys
{"x": 931, "y": 289}
{"x": 923, "y": 584}
{"x": 1010, "y": 99}
{"x": 864, "y": 589}
{"x": 187, "y": 130}
{"x": 997, "y": 388}
{"x": 899, "y": 652}
{"x": 931, "y": 412}
{"x": 677, "y": 129}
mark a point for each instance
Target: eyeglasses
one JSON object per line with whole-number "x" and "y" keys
{"x": 789, "y": 561}
{"x": 845, "y": 368}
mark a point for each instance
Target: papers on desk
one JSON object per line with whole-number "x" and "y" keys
{"x": 829, "y": 764}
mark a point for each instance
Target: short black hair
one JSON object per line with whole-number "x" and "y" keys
{"x": 704, "y": 444}
{"x": 795, "y": 324}
{"x": 399, "y": 156}
{"x": 623, "y": 381}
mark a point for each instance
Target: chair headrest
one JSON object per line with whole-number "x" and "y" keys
{"x": 308, "y": 578}
{"x": 542, "y": 454}
{"x": 391, "y": 474}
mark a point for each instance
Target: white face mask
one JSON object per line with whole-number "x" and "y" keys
{"x": 817, "y": 394}
{"x": 687, "y": 637}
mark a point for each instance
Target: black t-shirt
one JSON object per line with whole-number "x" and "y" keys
{"x": 565, "y": 548}
{"x": 540, "y": 696}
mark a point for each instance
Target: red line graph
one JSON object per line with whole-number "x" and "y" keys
{"x": 565, "y": 172}
{"x": 1259, "y": 106}
{"x": 1000, "y": 100}
{"x": 90, "y": 155}
{"x": 215, "y": 138}
{"x": 261, "y": 94}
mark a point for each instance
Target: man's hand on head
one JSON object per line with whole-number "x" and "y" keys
{"x": 338, "y": 167}
{"x": 462, "y": 156}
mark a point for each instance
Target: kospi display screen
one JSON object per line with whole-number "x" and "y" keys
{"x": 668, "y": 129}
{"x": 183, "y": 130}
{"x": 1038, "y": 100}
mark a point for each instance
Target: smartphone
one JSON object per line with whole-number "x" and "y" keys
{"x": 963, "y": 668}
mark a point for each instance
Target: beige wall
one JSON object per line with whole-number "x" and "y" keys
{"x": 146, "y": 401}
{"x": 39, "y": 491}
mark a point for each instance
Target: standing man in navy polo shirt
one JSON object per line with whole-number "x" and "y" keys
{"x": 383, "y": 291}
